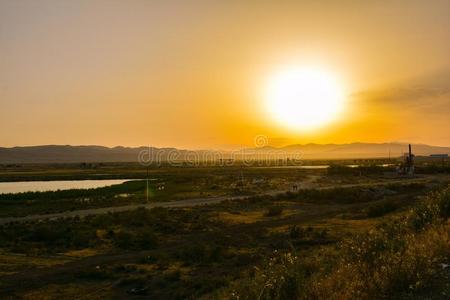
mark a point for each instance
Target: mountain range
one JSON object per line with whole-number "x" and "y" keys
{"x": 78, "y": 154}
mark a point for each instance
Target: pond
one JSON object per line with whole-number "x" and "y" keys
{"x": 43, "y": 186}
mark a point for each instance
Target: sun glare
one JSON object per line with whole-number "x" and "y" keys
{"x": 304, "y": 98}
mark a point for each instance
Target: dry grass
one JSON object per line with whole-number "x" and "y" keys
{"x": 13, "y": 263}
{"x": 70, "y": 291}
{"x": 397, "y": 259}
{"x": 241, "y": 218}
{"x": 369, "y": 272}
{"x": 82, "y": 253}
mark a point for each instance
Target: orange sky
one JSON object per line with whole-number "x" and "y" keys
{"x": 191, "y": 73}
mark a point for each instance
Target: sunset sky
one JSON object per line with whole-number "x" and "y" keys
{"x": 193, "y": 74}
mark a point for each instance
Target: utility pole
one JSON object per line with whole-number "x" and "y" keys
{"x": 146, "y": 190}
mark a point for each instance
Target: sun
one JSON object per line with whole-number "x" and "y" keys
{"x": 304, "y": 98}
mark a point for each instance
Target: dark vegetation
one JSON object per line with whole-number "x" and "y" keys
{"x": 345, "y": 195}
{"x": 274, "y": 210}
{"x": 363, "y": 170}
{"x": 422, "y": 166}
{"x": 433, "y": 169}
{"x": 83, "y": 171}
{"x": 138, "y": 229}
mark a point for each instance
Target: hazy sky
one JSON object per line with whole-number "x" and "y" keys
{"x": 192, "y": 73}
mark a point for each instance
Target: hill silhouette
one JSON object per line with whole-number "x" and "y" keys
{"x": 73, "y": 154}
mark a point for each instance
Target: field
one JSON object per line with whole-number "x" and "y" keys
{"x": 227, "y": 233}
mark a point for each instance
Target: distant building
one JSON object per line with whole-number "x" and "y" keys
{"x": 439, "y": 155}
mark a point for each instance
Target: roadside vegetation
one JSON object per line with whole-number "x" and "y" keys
{"x": 402, "y": 258}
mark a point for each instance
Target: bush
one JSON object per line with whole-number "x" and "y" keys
{"x": 200, "y": 253}
{"x": 343, "y": 170}
{"x": 123, "y": 239}
{"x": 83, "y": 239}
{"x": 146, "y": 239}
{"x": 380, "y": 209}
{"x": 193, "y": 253}
{"x": 444, "y": 204}
{"x": 142, "y": 239}
{"x": 296, "y": 232}
{"x": 273, "y": 211}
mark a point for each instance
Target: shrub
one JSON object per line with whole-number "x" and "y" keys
{"x": 83, "y": 239}
{"x": 123, "y": 239}
{"x": 193, "y": 253}
{"x": 146, "y": 239}
{"x": 273, "y": 211}
{"x": 380, "y": 209}
{"x": 135, "y": 240}
{"x": 296, "y": 232}
{"x": 444, "y": 203}
{"x": 200, "y": 253}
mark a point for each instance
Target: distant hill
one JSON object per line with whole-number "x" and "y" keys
{"x": 78, "y": 154}
{"x": 71, "y": 154}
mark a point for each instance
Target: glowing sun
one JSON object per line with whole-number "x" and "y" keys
{"x": 304, "y": 98}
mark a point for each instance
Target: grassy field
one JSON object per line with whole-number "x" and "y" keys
{"x": 330, "y": 240}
